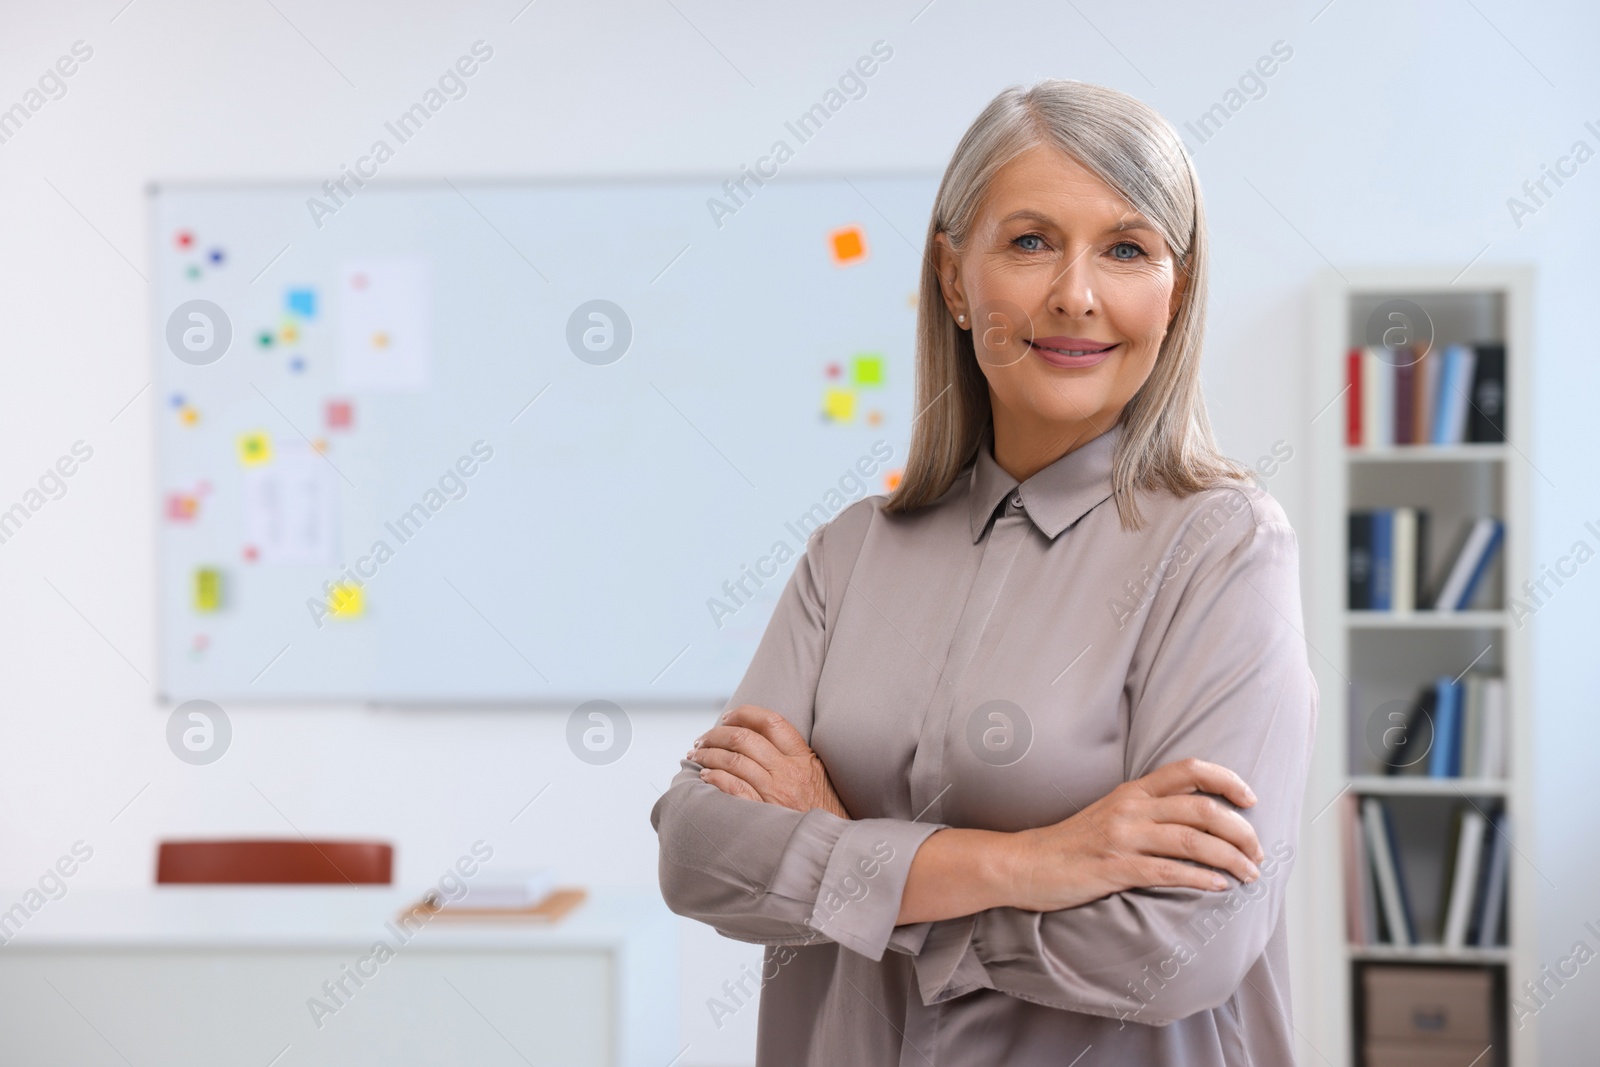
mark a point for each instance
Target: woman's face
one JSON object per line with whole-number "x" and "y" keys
{"x": 1068, "y": 292}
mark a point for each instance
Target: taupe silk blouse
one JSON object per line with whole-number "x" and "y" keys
{"x": 1000, "y": 659}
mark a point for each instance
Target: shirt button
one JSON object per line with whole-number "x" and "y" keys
{"x": 1016, "y": 500}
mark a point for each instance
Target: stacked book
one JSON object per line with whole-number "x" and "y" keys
{"x": 1411, "y": 395}
{"x": 1378, "y": 909}
{"x": 1388, "y": 562}
{"x": 1456, "y": 728}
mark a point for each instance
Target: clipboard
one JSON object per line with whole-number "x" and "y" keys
{"x": 553, "y": 908}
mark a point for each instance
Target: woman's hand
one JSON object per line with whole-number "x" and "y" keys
{"x": 1152, "y": 831}
{"x": 755, "y": 753}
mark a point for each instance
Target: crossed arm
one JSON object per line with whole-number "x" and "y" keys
{"x": 1159, "y": 830}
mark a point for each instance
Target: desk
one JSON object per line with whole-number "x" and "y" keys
{"x": 223, "y": 975}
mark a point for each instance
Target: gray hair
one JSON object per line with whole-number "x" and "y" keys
{"x": 1166, "y": 440}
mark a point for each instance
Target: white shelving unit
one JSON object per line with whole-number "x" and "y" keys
{"x": 1389, "y": 655}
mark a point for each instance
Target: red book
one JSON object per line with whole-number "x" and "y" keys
{"x": 1405, "y": 384}
{"x": 1352, "y": 406}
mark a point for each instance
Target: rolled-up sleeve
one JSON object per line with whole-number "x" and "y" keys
{"x": 1226, "y": 679}
{"x": 767, "y": 874}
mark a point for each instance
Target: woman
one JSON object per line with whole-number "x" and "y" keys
{"x": 1015, "y": 774}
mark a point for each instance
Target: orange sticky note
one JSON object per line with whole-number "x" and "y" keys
{"x": 849, "y": 245}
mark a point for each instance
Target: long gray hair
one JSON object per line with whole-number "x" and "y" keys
{"x": 1166, "y": 440}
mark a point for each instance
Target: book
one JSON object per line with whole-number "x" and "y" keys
{"x": 1450, "y": 423}
{"x": 1377, "y": 392}
{"x": 1382, "y": 584}
{"x": 1427, "y": 395}
{"x": 1464, "y": 880}
{"x": 1492, "y": 748}
{"x": 1352, "y": 406}
{"x": 1443, "y": 757}
{"x": 1492, "y": 909}
{"x": 1413, "y": 743}
{"x": 1359, "y": 928}
{"x": 1390, "y": 878}
{"x": 1360, "y": 561}
{"x": 1405, "y": 384}
{"x": 1472, "y": 724}
{"x": 1466, "y": 571}
{"x": 1486, "y": 419}
{"x": 1403, "y": 553}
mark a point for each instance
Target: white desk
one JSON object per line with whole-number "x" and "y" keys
{"x": 222, "y": 975}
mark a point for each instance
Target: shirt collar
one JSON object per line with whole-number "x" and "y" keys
{"x": 1056, "y": 497}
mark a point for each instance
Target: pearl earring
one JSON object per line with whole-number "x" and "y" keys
{"x": 961, "y": 319}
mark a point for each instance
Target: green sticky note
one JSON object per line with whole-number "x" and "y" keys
{"x": 868, "y": 369}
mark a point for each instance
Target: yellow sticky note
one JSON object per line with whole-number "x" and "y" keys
{"x": 255, "y": 448}
{"x": 345, "y": 601}
{"x": 207, "y": 589}
{"x": 289, "y": 334}
{"x": 839, "y": 404}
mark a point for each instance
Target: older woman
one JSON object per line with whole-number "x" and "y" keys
{"x": 1016, "y": 774}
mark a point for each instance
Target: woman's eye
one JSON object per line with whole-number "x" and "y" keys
{"x": 1029, "y": 237}
{"x": 1137, "y": 251}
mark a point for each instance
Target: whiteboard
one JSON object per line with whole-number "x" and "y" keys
{"x": 513, "y": 442}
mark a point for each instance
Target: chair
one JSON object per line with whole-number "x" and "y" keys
{"x": 274, "y": 862}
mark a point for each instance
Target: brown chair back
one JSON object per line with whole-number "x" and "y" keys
{"x": 268, "y": 862}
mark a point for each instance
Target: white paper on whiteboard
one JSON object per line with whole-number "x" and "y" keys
{"x": 386, "y": 320}
{"x": 290, "y": 507}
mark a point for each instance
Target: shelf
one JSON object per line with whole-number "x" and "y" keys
{"x": 1430, "y": 954}
{"x": 1426, "y": 620}
{"x": 1402, "y": 785}
{"x": 1427, "y": 454}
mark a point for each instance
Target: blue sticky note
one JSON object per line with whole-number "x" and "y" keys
{"x": 303, "y": 302}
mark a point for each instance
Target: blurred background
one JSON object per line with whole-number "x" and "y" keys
{"x": 1393, "y": 148}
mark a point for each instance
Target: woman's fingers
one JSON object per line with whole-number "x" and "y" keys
{"x": 1181, "y": 842}
{"x": 1197, "y": 775}
{"x": 739, "y": 739}
{"x": 1209, "y": 814}
{"x": 730, "y": 784}
{"x": 770, "y": 725}
{"x": 738, "y": 765}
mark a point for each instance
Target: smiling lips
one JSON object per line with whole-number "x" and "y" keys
{"x": 1071, "y": 351}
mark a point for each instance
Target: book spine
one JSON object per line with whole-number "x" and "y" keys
{"x": 1486, "y": 422}
{"x": 1352, "y": 407}
{"x": 1482, "y": 563}
{"x": 1382, "y": 560}
{"x": 1405, "y": 380}
{"x": 1360, "y": 561}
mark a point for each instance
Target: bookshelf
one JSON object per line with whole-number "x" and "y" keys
{"x": 1365, "y": 660}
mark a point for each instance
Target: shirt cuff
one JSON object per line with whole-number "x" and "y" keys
{"x": 859, "y": 898}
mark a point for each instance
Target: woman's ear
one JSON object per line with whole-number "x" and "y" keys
{"x": 1180, "y": 285}
{"x": 948, "y": 266}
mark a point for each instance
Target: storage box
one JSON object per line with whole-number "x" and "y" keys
{"x": 1428, "y": 1006}
{"x": 1426, "y": 1054}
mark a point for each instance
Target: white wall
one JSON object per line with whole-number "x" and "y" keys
{"x": 1395, "y": 133}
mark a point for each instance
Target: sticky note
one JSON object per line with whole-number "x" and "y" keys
{"x": 217, "y": 256}
{"x": 181, "y": 507}
{"x": 302, "y": 302}
{"x": 874, "y": 417}
{"x": 264, "y": 339}
{"x": 255, "y": 448}
{"x": 297, "y": 364}
{"x": 833, "y": 370}
{"x": 345, "y": 601}
{"x": 193, "y": 273}
{"x": 207, "y": 589}
{"x": 289, "y": 333}
{"x": 891, "y": 480}
{"x": 183, "y": 239}
{"x": 849, "y": 245}
{"x": 868, "y": 369}
{"x": 189, "y": 416}
{"x": 839, "y": 404}
{"x": 340, "y": 414}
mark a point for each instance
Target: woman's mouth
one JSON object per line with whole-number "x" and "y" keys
{"x": 1071, "y": 351}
